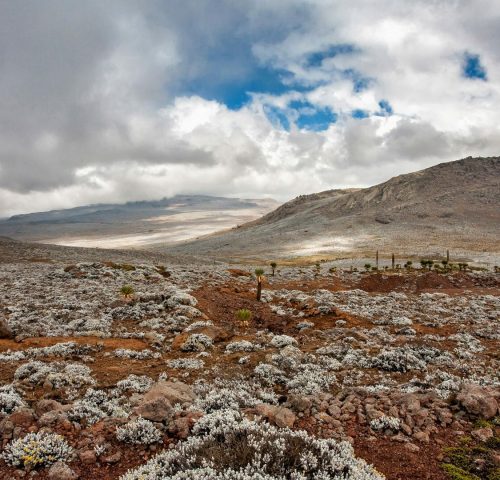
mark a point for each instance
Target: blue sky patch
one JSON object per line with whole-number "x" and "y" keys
{"x": 472, "y": 67}
{"x": 303, "y": 114}
{"x": 359, "y": 81}
{"x": 316, "y": 59}
{"x": 311, "y": 117}
{"x": 385, "y": 109}
{"x": 358, "y": 113}
{"x": 277, "y": 117}
{"x": 235, "y": 92}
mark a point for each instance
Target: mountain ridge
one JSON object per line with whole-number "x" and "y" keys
{"x": 449, "y": 203}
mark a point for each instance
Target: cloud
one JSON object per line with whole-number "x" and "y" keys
{"x": 123, "y": 100}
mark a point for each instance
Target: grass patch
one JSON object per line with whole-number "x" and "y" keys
{"x": 457, "y": 473}
{"x": 468, "y": 460}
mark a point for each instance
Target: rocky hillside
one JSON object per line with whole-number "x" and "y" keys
{"x": 453, "y": 205}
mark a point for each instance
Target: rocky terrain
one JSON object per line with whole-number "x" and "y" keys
{"x": 135, "y": 224}
{"x": 136, "y": 365}
{"x": 453, "y": 205}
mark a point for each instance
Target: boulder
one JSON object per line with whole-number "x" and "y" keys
{"x": 156, "y": 405}
{"x": 174, "y": 392}
{"x": 156, "y": 409}
{"x": 421, "y": 437}
{"x": 280, "y": 416}
{"x": 61, "y": 471}
{"x": 112, "y": 458}
{"x": 53, "y": 418}
{"x": 88, "y": 457}
{"x": 24, "y": 417}
{"x": 299, "y": 403}
{"x": 5, "y": 330}
{"x": 477, "y": 400}
{"x": 47, "y": 405}
{"x": 284, "y": 417}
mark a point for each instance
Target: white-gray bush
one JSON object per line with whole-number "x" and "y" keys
{"x": 96, "y": 405}
{"x": 37, "y": 450}
{"x": 385, "y": 422}
{"x": 135, "y": 383}
{"x": 281, "y": 341}
{"x": 197, "y": 342}
{"x": 186, "y": 363}
{"x": 139, "y": 431}
{"x": 227, "y": 446}
{"x": 59, "y": 374}
{"x": 10, "y": 400}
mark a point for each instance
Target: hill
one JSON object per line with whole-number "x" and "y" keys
{"x": 454, "y": 205}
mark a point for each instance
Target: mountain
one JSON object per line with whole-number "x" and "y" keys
{"x": 135, "y": 224}
{"x": 453, "y": 205}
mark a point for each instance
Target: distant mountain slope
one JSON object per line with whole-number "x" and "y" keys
{"x": 135, "y": 224}
{"x": 451, "y": 205}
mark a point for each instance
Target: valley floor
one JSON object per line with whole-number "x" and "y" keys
{"x": 402, "y": 365}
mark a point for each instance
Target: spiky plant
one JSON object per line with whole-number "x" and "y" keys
{"x": 368, "y": 266}
{"x": 273, "y": 266}
{"x": 127, "y": 291}
{"x": 243, "y": 316}
{"x": 259, "y": 273}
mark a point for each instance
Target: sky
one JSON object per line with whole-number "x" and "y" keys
{"x": 128, "y": 100}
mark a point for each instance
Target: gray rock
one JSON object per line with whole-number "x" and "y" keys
{"x": 156, "y": 404}
{"x": 61, "y": 471}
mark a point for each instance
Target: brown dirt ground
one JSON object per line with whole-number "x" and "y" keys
{"x": 220, "y": 304}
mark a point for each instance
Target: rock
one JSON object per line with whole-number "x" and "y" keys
{"x": 88, "y": 457}
{"x": 113, "y": 458}
{"x": 478, "y": 400}
{"x": 334, "y": 411}
{"x": 156, "y": 409}
{"x": 421, "y": 437}
{"x": 156, "y": 404}
{"x": 174, "y": 392}
{"x": 412, "y": 447}
{"x": 284, "y": 417}
{"x": 482, "y": 434}
{"x": 406, "y": 428}
{"x": 5, "y": 331}
{"x": 6, "y": 428}
{"x": 46, "y": 405}
{"x": 55, "y": 417}
{"x": 24, "y": 417}
{"x": 281, "y": 416}
{"x": 61, "y": 471}
{"x": 299, "y": 403}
